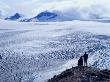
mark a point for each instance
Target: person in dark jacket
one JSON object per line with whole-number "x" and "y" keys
{"x": 85, "y": 56}
{"x": 80, "y": 61}
{"x": 0, "y": 57}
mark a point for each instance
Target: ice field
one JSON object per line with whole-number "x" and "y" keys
{"x": 35, "y": 52}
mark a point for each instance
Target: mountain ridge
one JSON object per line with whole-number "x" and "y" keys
{"x": 82, "y": 74}
{"x": 53, "y": 16}
{"x": 16, "y": 16}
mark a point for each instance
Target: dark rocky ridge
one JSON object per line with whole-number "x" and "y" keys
{"x": 82, "y": 74}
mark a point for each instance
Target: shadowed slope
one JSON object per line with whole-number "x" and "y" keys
{"x": 82, "y": 74}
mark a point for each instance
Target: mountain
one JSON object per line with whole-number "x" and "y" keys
{"x": 43, "y": 17}
{"x": 52, "y": 16}
{"x": 48, "y": 16}
{"x": 16, "y": 16}
{"x": 82, "y": 74}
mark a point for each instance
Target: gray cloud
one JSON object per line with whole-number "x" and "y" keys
{"x": 85, "y": 8}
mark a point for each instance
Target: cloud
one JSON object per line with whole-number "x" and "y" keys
{"x": 83, "y": 7}
{"x": 4, "y": 9}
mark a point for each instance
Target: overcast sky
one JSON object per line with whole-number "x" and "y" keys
{"x": 31, "y": 7}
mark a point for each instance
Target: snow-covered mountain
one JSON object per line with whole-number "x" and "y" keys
{"x": 16, "y": 16}
{"x": 73, "y": 9}
{"x": 58, "y": 15}
{"x": 46, "y": 16}
{"x": 49, "y": 16}
{"x": 43, "y": 16}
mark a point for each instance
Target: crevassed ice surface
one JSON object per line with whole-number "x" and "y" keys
{"x": 35, "y": 52}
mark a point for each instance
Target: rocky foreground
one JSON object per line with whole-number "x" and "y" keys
{"x": 82, "y": 74}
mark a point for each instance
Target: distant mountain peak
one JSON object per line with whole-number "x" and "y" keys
{"x": 16, "y": 16}
{"x": 47, "y": 14}
{"x": 43, "y": 17}
{"x": 82, "y": 74}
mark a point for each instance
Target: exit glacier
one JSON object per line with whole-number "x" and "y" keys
{"x": 35, "y": 52}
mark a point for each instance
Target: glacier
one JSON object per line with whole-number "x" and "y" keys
{"x": 36, "y": 51}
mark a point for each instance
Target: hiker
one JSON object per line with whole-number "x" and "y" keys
{"x": 80, "y": 61}
{"x": 85, "y": 56}
{"x": 0, "y": 57}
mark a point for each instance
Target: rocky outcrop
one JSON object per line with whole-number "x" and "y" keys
{"x": 82, "y": 74}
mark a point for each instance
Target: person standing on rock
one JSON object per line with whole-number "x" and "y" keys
{"x": 85, "y": 56}
{"x": 80, "y": 61}
{"x": 0, "y": 57}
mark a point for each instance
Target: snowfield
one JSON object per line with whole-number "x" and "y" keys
{"x": 35, "y": 52}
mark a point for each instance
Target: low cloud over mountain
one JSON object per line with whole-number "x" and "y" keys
{"x": 71, "y": 9}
